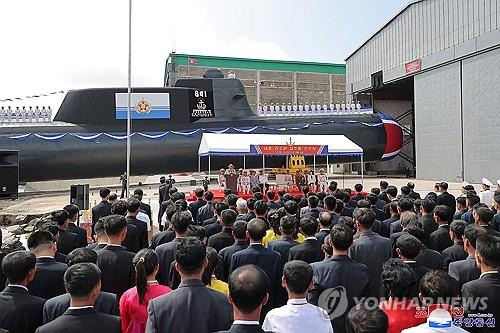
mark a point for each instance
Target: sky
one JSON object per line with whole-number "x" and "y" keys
{"x": 54, "y": 45}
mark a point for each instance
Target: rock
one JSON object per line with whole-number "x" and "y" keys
{"x": 29, "y": 228}
{"x": 20, "y": 219}
{"x": 11, "y": 243}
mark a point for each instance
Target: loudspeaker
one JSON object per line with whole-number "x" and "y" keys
{"x": 9, "y": 174}
{"x": 79, "y": 195}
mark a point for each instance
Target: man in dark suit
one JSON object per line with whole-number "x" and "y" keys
{"x": 310, "y": 250}
{"x": 133, "y": 207}
{"x": 66, "y": 241}
{"x": 74, "y": 212}
{"x": 383, "y": 195}
{"x": 325, "y": 223}
{"x": 487, "y": 287}
{"x": 197, "y": 204}
{"x": 379, "y": 213}
{"x": 271, "y": 195}
{"x": 370, "y": 248}
{"x": 461, "y": 208}
{"x": 427, "y": 219}
{"x": 446, "y": 198}
{"x": 19, "y": 311}
{"x": 225, "y": 237}
{"x": 471, "y": 200}
{"x": 392, "y": 196}
{"x": 103, "y": 208}
{"x": 166, "y": 252}
{"x": 341, "y": 272}
{"x": 288, "y": 225}
{"x": 483, "y": 216}
{"x": 101, "y": 239}
{"x": 380, "y": 203}
{"x": 266, "y": 259}
{"x": 57, "y": 306}
{"x": 132, "y": 239}
{"x": 427, "y": 257}
{"x": 206, "y": 211}
{"x": 240, "y": 243}
{"x": 214, "y": 224}
{"x": 48, "y": 280}
{"x": 145, "y": 208}
{"x": 404, "y": 205}
{"x": 466, "y": 270}
{"x": 250, "y": 210}
{"x": 115, "y": 262}
{"x": 414, "y": 195}
{"x": 405, "y": 219}
{"x": 248, "y": 294}
{"x": 455, "y": 252}
{"x": 440, "y": 239}
{"x": 408, "y": 248}
{"x": 82, "y": 282}
{"x": 191, "y": 307}
{"x": 312, "y": 208}
{"x": 386, "y": 224}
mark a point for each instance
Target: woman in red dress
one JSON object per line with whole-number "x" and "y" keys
{"x": 134, "y": 302}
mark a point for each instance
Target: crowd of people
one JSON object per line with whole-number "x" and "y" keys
{"x": 339, "y": 260}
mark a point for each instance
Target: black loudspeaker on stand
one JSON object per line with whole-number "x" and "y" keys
{"x": 9, "y": 174}
{"x": 79, "y": 195}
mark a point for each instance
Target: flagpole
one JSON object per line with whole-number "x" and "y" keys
{"x": 129, "y": 89}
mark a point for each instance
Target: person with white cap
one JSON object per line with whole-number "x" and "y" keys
{"x": 486, "y": 195}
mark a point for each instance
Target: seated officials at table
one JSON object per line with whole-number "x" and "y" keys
{"x": 48, "y": 280}
{"x": 134, "y": 302}
{"x": 83, "y": 283}
{"x": 114, "y": 260}
{"x": 192, "y": 307}
{"x": 19, "y": 311}
{"x": 248, "y": 287}
{"x": 57, "y": 306}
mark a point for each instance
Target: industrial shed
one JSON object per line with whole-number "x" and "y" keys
{"x": 435, "y": 66}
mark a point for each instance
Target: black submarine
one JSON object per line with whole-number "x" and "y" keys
{"x": 87, "y": 138}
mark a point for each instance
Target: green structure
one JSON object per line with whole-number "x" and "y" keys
{"x": 267, "y": 81}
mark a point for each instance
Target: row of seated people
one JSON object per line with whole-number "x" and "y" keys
{"x": 340, "y": 108}
{"x": 25, "y": 115}
{"x": 326, "y": 240}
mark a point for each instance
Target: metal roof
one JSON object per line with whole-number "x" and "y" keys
{"x": 259, "y": 64}
{"x": 382, "y": 28}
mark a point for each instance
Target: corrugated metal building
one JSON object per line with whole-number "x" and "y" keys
{"x": 436, "y": 65}
{"x": 267, "y": 81}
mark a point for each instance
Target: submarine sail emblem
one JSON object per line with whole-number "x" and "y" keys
{"x": 143, "y": 106}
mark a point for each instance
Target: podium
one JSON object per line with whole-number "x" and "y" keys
{"x": 232, "y": 182}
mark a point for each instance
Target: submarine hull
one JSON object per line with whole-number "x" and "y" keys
{"x": 88, "y": 139}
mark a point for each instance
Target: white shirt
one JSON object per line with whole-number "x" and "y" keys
{"x": 144, "y": 218}
{"x": 246, "y": 322}
{"x": 484, "y": 273}
{"x": 297, "y": 316}
{"x": 18, "y": 286}
{"x": 80, "y": 307}
{"x": 486, "y": 197}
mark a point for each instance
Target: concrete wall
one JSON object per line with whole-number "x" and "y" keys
{"x": 438, "y": 124}
{"x": 278, "y": 87}
{"x": 481, "y": 116}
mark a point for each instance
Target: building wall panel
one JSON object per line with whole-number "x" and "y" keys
{"x": 481, "y": 119}
{"x": 437, "y": 124}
